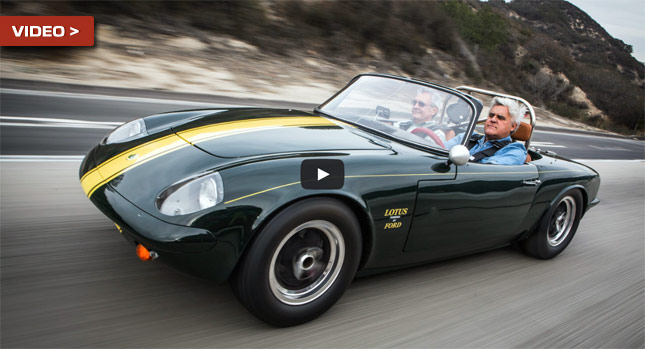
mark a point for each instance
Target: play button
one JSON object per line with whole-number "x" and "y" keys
{"x": 322, "y": 174}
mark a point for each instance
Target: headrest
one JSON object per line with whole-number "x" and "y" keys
{"x": 523, "y": 132}
{"x": 458, "y": 113}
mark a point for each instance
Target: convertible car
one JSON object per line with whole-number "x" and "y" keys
{"x": 290, "y": 206}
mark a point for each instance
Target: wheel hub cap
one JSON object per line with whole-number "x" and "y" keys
{"x": 306, "y": 262}
{"x": 562, "y": 221}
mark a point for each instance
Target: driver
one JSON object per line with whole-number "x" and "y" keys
{"x": 424, "y": 108}
{"x": 496, "y": 146}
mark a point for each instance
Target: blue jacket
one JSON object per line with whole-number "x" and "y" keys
{"x": 512, "y": 154}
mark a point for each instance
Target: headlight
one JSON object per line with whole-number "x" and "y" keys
{"x": 192, "y": 195}
{"x": 128, "y": 131}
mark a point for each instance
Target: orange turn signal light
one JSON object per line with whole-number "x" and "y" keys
{"x": 144, "y": 254}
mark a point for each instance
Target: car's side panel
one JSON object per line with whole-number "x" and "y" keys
{"x": 391, "y": 198}
{"x": 481, "y": 208}
{"x": 384, "y": 186}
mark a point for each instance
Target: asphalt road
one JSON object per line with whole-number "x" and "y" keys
{"x": 57, "y": 134}
{"x": 70, "y": 280}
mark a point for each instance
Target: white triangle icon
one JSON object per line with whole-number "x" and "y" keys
{"x": 74, "y": 31}
{"x": 322, "y": 174}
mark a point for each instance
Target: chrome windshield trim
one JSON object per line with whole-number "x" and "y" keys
{"x": 448, "y": 90}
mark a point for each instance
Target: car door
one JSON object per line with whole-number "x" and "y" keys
{"x": 482, "y": 208}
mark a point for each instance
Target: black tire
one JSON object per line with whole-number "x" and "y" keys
{"x": 557, "y": 227}
{"x": 301, "y": 262}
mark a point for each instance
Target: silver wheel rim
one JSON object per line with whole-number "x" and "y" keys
{"x": 562, "y": 221}
{"x": 320, "y": 263}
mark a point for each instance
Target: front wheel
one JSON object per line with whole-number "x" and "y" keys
{"x": 557, "y": 227}
{"x": 301, "y": 263}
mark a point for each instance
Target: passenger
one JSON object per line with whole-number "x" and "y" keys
{"x": 496, "y": 146}
{"x": 424, "y": 108}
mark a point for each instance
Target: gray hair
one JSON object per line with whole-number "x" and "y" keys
{"x": 436, "y": 99}
{"x": 516, "y": 110}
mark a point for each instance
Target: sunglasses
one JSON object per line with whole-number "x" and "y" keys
{"x": 416, "y": 101}
{"x": 499, "y": 116}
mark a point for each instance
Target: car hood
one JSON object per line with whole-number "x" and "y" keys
{"x": 254, "y": 132}
{"x": 187, "y": 144}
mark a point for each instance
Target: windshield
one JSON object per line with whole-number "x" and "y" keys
{"x": 403, "y": 109}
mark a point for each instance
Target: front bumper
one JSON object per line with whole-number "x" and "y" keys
{"x": 593, "y": 203}
{"x": 191, "y": 250}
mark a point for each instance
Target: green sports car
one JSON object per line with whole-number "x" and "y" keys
{"x": 290, "y": 206}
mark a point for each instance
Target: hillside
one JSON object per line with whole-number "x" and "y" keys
{"x": 549, "y": 52}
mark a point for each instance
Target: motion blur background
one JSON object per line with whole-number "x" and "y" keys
{"x": 550, "y": 52}
{"x": 68, "y": 279}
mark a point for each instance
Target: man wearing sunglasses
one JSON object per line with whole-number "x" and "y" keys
{"x": 424, "y": 107}
{"x": 496, "y": 145}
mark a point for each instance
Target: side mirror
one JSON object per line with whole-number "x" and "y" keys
{"x": 459, "y": 155}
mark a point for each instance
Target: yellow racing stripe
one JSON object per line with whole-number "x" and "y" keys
{"x": 208, "y": 132}
{"x": 129, "y": 159}
{"x": 90, "y": 180}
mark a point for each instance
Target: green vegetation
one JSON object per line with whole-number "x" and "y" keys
{"x": 484, "y": 27}
{"x": 403, "y": 30}
{"x": 570, "y": 42}
{"x": 614, "y": 94}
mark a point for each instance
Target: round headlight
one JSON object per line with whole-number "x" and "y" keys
{"x": 191, "y": 196}
{"x": 126, "y": 132}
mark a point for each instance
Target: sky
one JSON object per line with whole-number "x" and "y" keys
{"x": 622, "y": 19}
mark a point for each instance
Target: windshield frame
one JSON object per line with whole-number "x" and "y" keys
{"x": 475, "y": 110}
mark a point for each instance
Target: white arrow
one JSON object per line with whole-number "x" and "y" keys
{"x": 74, "y": 31}
{"x": 322, "y": 174}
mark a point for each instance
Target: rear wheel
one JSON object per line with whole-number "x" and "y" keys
{"x": 557, "y": 227}
{"x": 301, "y": 262}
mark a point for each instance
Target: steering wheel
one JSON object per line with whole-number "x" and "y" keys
{"x": 423, "y": 131}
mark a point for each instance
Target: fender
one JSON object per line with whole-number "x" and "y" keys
{"x": 357, "y": 204}
{"x": 583, "y": 191}
{"x": 552, "y": 205}
{"x": 528, "y": 230}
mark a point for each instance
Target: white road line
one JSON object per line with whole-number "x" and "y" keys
{"x": 608, "y": 160}
{"x": 23, "y": 121}
{"x": 19, "y": 124}
{"x": 111, "y": 98}
{"x": 74, "y": 121}
{"x": 546, "y": 145}
{"x": 608, "y": 148}
{"x": 40, "y": 158}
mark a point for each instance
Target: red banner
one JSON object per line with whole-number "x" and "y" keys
{"x": 46, "y": 31}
